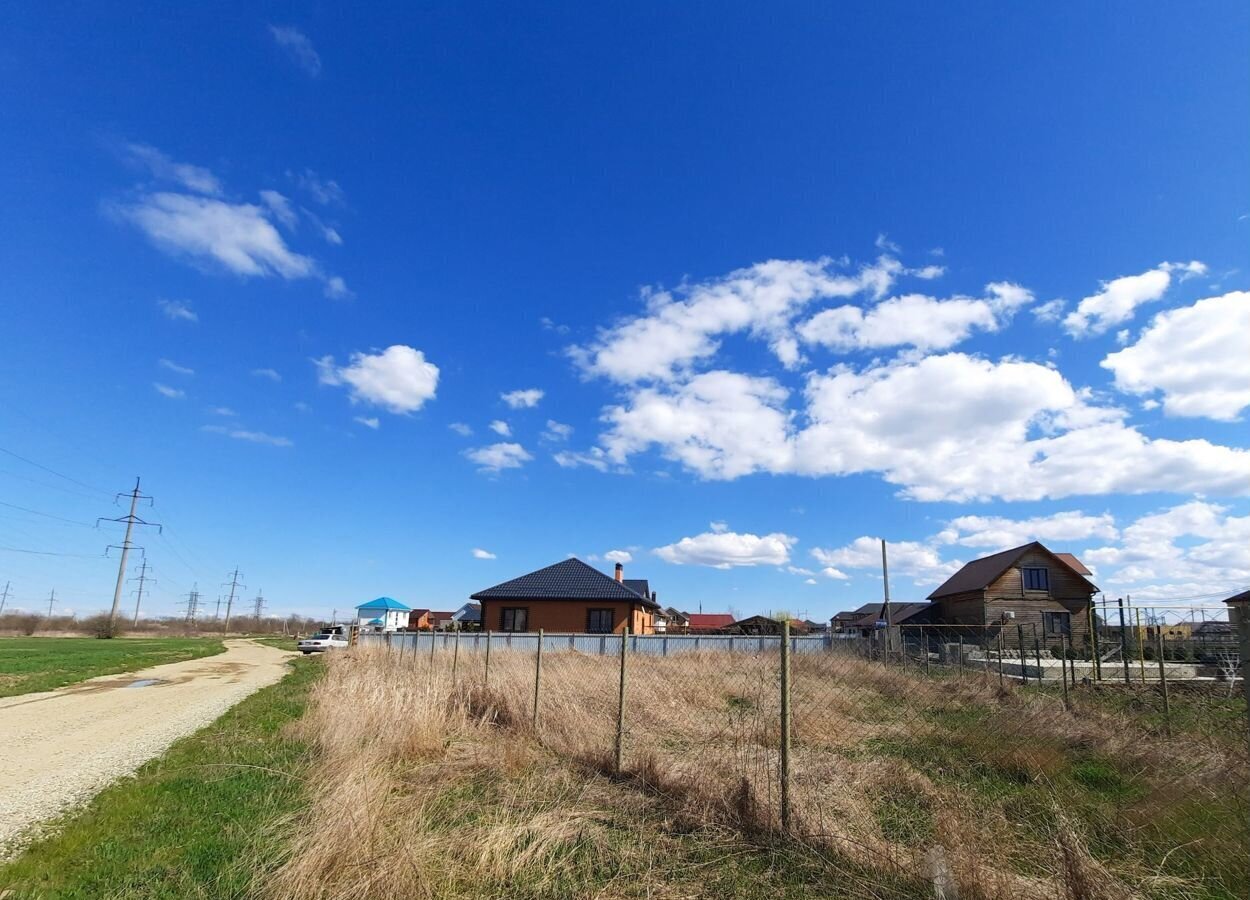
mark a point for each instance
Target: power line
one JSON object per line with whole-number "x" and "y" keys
{"x": 31, "y": 462}
{"x": 47, "y": 553}
{"x": 46, "y": 515}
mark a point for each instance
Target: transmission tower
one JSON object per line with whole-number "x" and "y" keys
{"x": 143, "y": 579}
{"x": 217, "y": 612}
{"x": 51, "y": 600}
{"x": 193, "y": 604}
{"x": 4, "y": 598}
{"x": 131, "y": 521}
{"x": 258, "y": 607}
{"x": 234, "y": 585}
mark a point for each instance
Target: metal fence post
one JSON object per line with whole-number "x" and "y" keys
{"x": 538, "y": 677}
{"x": 387, "y": 637}
{"x": 1000, "y": 657}
{"x": 1124, "y": 642}
{"x": 1063, "y": 666}
{"x": 1239, "y": 613}
{"x": 1163, "y": 682}
{"x": 455, "y": 657}
{"x": 1037, "y": 653}
{"x": 924, "y": 648}
{"x": 1024, "y": 666}
{"x": 1093, "y": 642}
{"x": 961, "y": 657}
{"x": 785, "y": 726}
{"x": 403, "y": 640}
{"x": 486, "y": 672}
{"x": 1141, "y": 648}
{"x": 620, "y": 706}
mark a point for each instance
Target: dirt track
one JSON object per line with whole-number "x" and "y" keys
{"x": 60, "y": 748}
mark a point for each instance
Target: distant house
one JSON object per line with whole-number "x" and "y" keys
{"x": 441, "y": 620}
{"x": 709, "y": 623}
{"x": 419, "y": 620}
{"x": 467, "y": 618}
{"x": 1027, "y": 585}
{"x": 382, "y": 614}
{"x": 873, "y": 616}
{"x": 842, "y": 621}
{"x": 765, "y": 625}
{"x": 677, "y": 622}
{"x": 569, "y": 596}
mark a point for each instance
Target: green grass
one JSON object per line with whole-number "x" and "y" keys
{"x": 195, "y": 823}
{"x": 29, "y": 664}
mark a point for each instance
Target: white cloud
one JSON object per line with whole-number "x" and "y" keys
{"x": 718, "y": 527}
{"x": 255, "y": 437}
{"x": 368, "y": 421}
{"x": 178, "y": 310}
{"x": 726, "y": 549}
{"x": 280, "y": 207}
{"x": 298, "y": 47}
{"x": 271, "y": 374}
{"x": 883, "y": 242}
{"x": 594, "y": 458}
{"x": 522, "y": 399}
{"x": 619, "y": 556}
{"x": 1119, "y": 298}
{"x": 501, "y": 428}
{"x": 557, "y": 431}
{"x": 811, "y": 581}
{"x": 1050, "y": 311}
{"x": 161, "y": 167}
{"x": 166, "y": 391}
{"x": 497, "y": 457}
{"x": 174, "y": 367}
{"x": 918, "y": 560}
{"x": 927, "y": 273}
{"x": 461, "y": 429}
{"x": 479, "y": 553}
{"x": 336, "y": 289}
{"x": 916, "y": 320}
{"x": 236, "y": 236}
{"x": 325, "y": 191}
{"x": 948, "y": 427}
{"x": 399, "y": 379}
{"x": 222, "y": 411}
{"x": 1000, "y": 533}
{"x": 1197, "y": 356}
{"x": 682, "y": 327}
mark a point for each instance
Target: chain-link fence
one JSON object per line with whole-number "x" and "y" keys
{"x": 983, "y": 762}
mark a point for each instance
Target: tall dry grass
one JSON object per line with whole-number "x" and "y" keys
{"x": 430, "y": 782}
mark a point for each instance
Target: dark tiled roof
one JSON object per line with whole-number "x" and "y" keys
{"x": 1076, "y": 564}
{"x": 570, "y": 579}
{"x": 981, "y": 573}
{"x": 1243, "y": 597}
{"x": 899, "y": 613}
{"x": 639, "y": 586}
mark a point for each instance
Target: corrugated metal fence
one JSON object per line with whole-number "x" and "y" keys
{"x": 598, "y": 644}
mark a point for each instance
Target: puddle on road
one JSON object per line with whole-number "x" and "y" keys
{"x": 146, "y": 682}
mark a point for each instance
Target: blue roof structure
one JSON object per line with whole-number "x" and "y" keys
{"x": 375, "y": 622}
{"x": 384, "y": 603}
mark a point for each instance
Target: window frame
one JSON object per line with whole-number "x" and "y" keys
{"x": 1048, "y": 616}
{"x": 1024, "y": 578}
{"x": 524, "y": 615}
{"x": 590, "y": 616}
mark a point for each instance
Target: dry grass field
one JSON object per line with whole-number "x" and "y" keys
{"x": 436, "y": 781}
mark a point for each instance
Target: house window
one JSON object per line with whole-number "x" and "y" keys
{"x": 599, "y": 621}
{"x": 1057, "y": 622}
{"x": 1036, "y": 579}
{"x": 514, "y": 619}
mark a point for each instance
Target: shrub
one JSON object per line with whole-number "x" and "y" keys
{"x": 99, "y": 626}
{"x": 27, "y": 624}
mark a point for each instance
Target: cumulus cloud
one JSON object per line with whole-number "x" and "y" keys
{"x": 1000, "y": 532}
{"x": 461, "y": 429}
{"x": 368, "y": 421}
{"x": 174, "y": 367}
{"x": 398, "y": 379}
{"x": 918, "y": 560}
{"x": 1195, "y": 356}
{"x": 178, "y": 310}
{"x": 522, "y": 399}
{"x": 479, "y": 553}
{"x": 270, "y": 374}
{"x": 946, "y": 427}
{"x": 254, "y": 437}
{"x": 727, "y": 549}
{"x": 325, "y": 191}
{"x": 497, "y": 457}
{"x": 280, "y": 207}
{"x": 915, "y": 320}
{"x": 1119, "y": 298}
{"x": 298, "y": 48}
{"x": 557, "y": 431}
{"x": 222, "y": 411}
{"x": 1050, "y": 311}
{"x": 682, "y": 327}
{"x": 166, "y": 391}
{"x": 594, "y": 458}
{"x": 162, "y": 168}
{"x": 501, "y": 428}
{"x": 618, "y": 556}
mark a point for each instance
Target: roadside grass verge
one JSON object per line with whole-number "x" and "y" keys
{"x": 35, "y": 664}
{"x": 193, "y": 823}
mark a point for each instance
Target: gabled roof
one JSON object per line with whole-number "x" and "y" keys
{"x": 899, "y": 613}
{"x": 710, "y": 620}
{"x": 981, "y": 573}
{"x": 384, "y": 603}
{"x": 639, "y": 586}
{"x": 570, "y": 579}
{"x": 1075, "y": 564}
{"x": 1243, "y": 597}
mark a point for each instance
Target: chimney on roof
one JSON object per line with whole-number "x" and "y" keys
{"x": 654, "y": 597}
{"x": 620, "y": 572}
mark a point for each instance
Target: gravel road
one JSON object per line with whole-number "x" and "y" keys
{"x": 60, "y": 748}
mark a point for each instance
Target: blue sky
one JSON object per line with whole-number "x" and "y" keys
{"x": 788, "y": 281}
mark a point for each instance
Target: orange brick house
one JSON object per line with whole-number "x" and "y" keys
{"x": 569, "y": 596}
